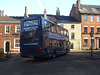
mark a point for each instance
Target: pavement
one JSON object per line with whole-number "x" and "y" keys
{"x": 6, "y": 58}
{"x": 96, "y": 54}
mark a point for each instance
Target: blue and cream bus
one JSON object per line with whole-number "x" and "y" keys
{"x": 41, "y": 37}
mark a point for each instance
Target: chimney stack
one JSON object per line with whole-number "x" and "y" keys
{"x": 58, "y": 12}
{"x": 45, "y": 13}
{"x": 0, "y": 12}
{"x": 26, "y": 14}
{"x": 78, "y": 4}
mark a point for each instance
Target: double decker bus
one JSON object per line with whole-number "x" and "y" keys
{"x": 41, "y": 37}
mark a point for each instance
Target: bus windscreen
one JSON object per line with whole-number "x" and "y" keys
{"x": 30, "y": 23}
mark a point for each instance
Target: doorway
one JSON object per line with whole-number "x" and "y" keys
{"x": 7, "y": 46}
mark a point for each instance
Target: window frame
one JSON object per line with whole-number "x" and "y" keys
{"x": 93, "y": 29}
{"x": 85, "y": 31}
{"x": 86, "y": 43}
{"x": 85, "y": 18}
{"x": 98, "y": 18}
{"x": 98, "y": 32}
{"x": 16, "y": 43}
{"x": 72, "y": 26}
{"x": 72, "y": 35}
{"x": 6, "y": 29}
{"x": 17, "y": 29}
{"x": 92, "y": 18}
{"x": 93, "y": 42}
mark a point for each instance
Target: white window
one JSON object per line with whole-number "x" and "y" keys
{"x": 84, "y": 9}
{"x": 98, "y": 18}
{"x": 93, "y": 9}
{"x": 98, "y": 30}
{"x": 7, "y": 28}
{"x": 85, "y": 18}
{"x": 16, "y": 43}
{"x": 85, "y": 30}
{"x": 92, "y": 18}
{"x": 17, "y": 29}
{"x": 93, "y": 42}
{"x": 72, "y": 26}
{"x": 72, "y": 35}
{"x": 85, "y": 42}
{"x": 92, "y": 29}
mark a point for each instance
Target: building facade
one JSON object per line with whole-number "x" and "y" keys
{"x": 68, "y": 22}
{"x": 74, "y": 38}
{"x": 9, "y": 34}
{"x": 89, "y": 15}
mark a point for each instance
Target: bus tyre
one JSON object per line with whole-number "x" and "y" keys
{"x": 54, "y": 55}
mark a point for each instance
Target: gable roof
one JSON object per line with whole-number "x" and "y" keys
{"x": 89, "y": 9}
{"x": 6, "y": 18}
{"x": 58, "y": 19}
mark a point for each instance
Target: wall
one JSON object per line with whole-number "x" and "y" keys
{"x": 90, "y": 24}
{"x": 8, "y": 37}
{"x": 77, "y": 31}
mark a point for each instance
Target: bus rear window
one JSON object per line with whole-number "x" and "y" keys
{"x": 30, "y": 23}
{"x": 31, "y": 40}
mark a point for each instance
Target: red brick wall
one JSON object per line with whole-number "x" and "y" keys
{"x": 10, "y": 37}
{"x": 88, "y": 24}
{"x": 95, "y": 24}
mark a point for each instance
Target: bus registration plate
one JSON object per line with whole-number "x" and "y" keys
{"x": 31, "y": 56}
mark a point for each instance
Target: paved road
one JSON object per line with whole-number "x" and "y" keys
{"x": 71, "y": 64}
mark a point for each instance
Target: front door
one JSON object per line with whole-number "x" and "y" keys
{"x": 7, "y": 47}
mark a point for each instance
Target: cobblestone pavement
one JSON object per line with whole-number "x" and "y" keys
{"x": 75, "y": 63}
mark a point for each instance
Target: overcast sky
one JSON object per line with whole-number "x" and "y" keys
{"x": 17, "y": 7}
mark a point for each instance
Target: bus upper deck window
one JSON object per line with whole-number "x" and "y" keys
{"x": 65, "y": 33}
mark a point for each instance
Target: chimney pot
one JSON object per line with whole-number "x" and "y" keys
{"x": 26, "y": 14}
{"x": 45, "y": 13}
{"x": 58, "y": 12}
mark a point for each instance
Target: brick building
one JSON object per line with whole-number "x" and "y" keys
{"x": 89, "y": 15}
{"x": 9, "y": 34}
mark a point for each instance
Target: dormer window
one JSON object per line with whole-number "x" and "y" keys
{"x": 98, "y": 8}
{"x": 84, "y": 9}
{"x": 93, "y": 9}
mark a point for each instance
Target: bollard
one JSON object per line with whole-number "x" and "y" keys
{"x": 17, "y": 54}
{"x": 1, "y": 54}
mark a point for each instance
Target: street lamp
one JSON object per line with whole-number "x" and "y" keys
{"x": 91, "y": 35}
